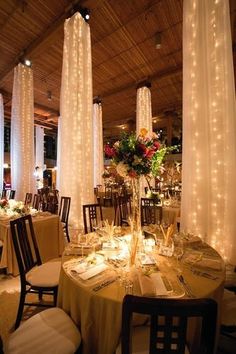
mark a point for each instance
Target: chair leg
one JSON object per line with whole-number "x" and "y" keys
{"x": 20, "y": 308}
{"x": 67, "y": 233}
{"x": 55, "y": 297}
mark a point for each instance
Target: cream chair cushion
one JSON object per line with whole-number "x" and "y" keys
{"x": 50, "y": 331}
{"x": 44, "y": 275}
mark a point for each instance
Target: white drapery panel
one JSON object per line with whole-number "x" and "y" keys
{"x": 39, "y": 155}
{"x": 22, "y": 133}
{"x": 98, "y": 144}
{"x": 144, "y": 120}
{"x": 1, "y": 142}
{"x": 75, "y": 159}
{"x": 209, "y": 126}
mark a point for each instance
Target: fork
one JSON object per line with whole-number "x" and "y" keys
{"x": 204, "y": 274}
{"x": 185, "y": 286}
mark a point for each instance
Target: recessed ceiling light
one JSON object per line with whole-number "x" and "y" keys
{"x": 27, "y": 62}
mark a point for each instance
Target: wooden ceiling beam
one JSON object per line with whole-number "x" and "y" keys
{"x": 157, "y": 76}
{"x": 45, "y": 39}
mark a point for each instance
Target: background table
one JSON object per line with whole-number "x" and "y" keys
{"x": 49, "y": 235}
{"x": 98, "y": 314}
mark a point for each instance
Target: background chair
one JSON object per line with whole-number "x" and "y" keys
{"x": 108, "y": 196}
{"x": 168, "y": 325}
{"x": 28, "y": 198}
{"x": 36, "y": 201}
{"x": 50, "y": 331}
{"x": 4, "y": 193}
{"x": 64, "y": 212}
{"x": 150, "y": 212}
{"x": 35, "y": 277}
{"x": 122, "y": 205}
{"x": 12, "y": 194}
{"x": 96, "y": 194}
{"x": 92, "y": 214}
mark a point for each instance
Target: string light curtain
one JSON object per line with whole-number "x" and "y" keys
{"x": 98, "y": 144}
{"x": 39, "y": 155}
{"x": 209, "y": 126}
{"x": 143, "y": 109}
{"x": 75, "y": 159}
{"x": 1, "y": 142}
{"x": 144, "y": 120}
{"x": 22, "y": 133}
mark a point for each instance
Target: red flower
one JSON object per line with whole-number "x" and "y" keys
{"x": 149, "y": 153}
{"x": 132, "y": 174}
{"x": 109, "y": 151}
{"x": 157, "y": 145}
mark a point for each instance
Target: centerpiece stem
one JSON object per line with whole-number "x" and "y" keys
{"x": 136, "y": 221}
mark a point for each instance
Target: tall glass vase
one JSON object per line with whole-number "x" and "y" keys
{"x": 135, "y": 221}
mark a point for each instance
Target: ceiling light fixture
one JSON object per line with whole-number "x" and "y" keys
{"x": 158, "y": 40}
{"x": 85, "y": 13}
{"x": 27, "y": 62}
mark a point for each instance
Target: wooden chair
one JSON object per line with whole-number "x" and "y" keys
{"x": 64, "y": 212}
{"x": 35, "y": 277}
{"x": 50, "y": 331}
{"x": 4, "y": 193}
{"x": 168, "y": 325}
{"x": 92, "y": 214}
{"x": 122, "y": 210}
{"x": 12, "y": 194}
{"x": 36, "y": 201}
{"x": 97, "y": 196}
{"x": 28, "y": 198}
{"x": 108, "y": 196}
{"x": 150, "y": 212}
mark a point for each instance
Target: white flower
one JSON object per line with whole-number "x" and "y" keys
{"x": 122, "y": 169}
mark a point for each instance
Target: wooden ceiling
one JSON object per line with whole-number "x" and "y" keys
{"x": 124, "y": 54}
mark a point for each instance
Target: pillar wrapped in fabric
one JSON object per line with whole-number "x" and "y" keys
{"x": 209, "y": 126}
{"x": 75, "y": 131}
{"x": 98, "y": 144}
{"x": 22, "y": 133}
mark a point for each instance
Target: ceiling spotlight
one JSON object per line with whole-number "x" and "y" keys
{"x": 27, "y": 62}
{"x": 158, "y": 40}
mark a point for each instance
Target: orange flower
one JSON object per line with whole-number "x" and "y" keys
{"x": 143, "y": 132}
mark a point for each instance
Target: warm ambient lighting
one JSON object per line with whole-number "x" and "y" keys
{"x": 5, "y": 165}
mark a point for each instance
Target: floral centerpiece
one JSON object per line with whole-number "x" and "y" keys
{"x": 136, "y": 156}
{"x": 12, "y": 208}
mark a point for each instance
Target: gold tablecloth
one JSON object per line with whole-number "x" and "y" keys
{"x": 98, "y": 314}
{"x": 49, "y": 234}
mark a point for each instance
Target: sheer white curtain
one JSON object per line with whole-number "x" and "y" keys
{"x": 75, "y": 158}
{"x": 209, "y": 125}
{"x": 98, "y": 144}
{"x": 143, "y": 120}
{"x": 1, "y": 142}
{"x": 39, "y": 155}
{"x": 22, "y": 133}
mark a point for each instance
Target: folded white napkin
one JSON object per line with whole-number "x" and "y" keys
{"x": 214, "y": 264}
{"x": 151, "y": 285}
{"x": 93, "y": 271}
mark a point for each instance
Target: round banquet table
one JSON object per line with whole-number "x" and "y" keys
{"x": 98, "y": 313}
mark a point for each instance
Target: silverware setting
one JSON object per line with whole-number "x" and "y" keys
{"x": 186, "y": 286}
{"x": 104, "y": 284}
{"x": 204, "y": 274}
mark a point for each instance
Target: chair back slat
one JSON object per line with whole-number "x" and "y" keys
{"x": 64, "y": 209}
{"x": 28, "y": 198}
{"x": 36, "y": 201}
{"x": 12, "y": 194}
{"x": 151, "y": 213}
